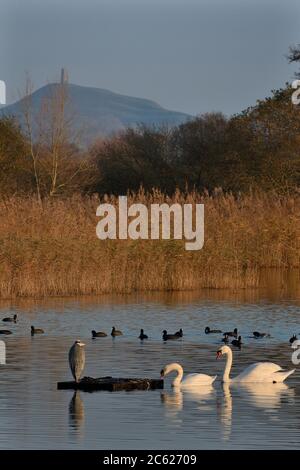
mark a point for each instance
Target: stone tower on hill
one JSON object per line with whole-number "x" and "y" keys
{"x": 64, "y": 76}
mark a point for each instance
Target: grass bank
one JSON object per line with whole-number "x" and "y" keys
{"x": 53, "y": 250}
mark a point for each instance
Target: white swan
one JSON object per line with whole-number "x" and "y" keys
{"x": 256, "y": 373}
{"x": 190, "y": 380}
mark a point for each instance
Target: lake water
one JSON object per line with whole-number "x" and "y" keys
{"x": 35, "y": 415}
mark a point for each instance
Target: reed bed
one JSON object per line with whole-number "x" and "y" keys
{"x": 52, "y": 250}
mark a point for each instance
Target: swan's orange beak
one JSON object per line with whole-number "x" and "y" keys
{"x": 219, "y": 354}
{"x": 162, "y": 374}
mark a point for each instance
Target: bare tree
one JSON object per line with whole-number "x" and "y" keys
{"x": 58, "y": 163}
{"x": 34, "y": 150}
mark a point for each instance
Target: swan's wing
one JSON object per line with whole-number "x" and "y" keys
{"x": 194, "y": 380}
{"x": 202, "y": 393}
{"x": 258, "y": 372}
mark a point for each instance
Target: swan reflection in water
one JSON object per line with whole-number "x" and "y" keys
{"x": 266, "y": 396}
{"x": 174, "y": 399}
{"x": 201, "y": 394}
{"x": 76, "y": 412}
{"x": 225, "y": 412}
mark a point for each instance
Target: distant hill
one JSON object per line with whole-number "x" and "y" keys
{"x": 102, "y": 112}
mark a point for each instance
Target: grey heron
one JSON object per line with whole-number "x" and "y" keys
{"x": 11, "y": 319}
{"x": 115, "y": 332}
{"x": 36, "y": 331}
{"x": 77, "y": 359}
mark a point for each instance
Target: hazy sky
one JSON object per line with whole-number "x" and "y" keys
{"x": 189, "y": 55}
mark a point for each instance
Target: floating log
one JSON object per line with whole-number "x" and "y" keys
{"x": 112, "y": 384}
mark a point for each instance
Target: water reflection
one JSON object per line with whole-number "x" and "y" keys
{"x": 225, "y": 412}
{"x": 173, "y": 401}
{"x": 251, "y": 416}
{"x": 266, "y": 395}
{"x": 201, "y": 394}
{"x": 76, "y": 412}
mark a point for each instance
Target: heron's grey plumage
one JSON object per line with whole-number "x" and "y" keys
{"x": 77, "y": 359}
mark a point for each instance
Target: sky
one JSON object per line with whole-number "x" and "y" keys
{"x": 193, "y": 56}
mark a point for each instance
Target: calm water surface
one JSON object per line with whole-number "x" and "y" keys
{"x": 35, "y": 415}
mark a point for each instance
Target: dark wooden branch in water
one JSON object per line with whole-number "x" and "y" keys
{"x": 112, "y": 384}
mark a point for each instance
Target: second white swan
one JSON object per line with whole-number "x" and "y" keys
{"x": 266, "y": 372}
{"x": 190, "y": 380}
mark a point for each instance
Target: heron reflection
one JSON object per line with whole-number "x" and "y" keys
{"x": 76, "y": 411}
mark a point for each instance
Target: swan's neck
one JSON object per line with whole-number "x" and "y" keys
{"x": 227, "y": 367}
{"x": 177, "y": 367}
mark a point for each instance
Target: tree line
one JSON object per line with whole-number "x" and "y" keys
{"x": 258, "y": 148}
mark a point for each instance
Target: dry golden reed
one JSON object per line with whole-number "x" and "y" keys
{"x": 53, "y": 250}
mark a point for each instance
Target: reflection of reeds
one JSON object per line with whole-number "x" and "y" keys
{"x": 54, "y": 250}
